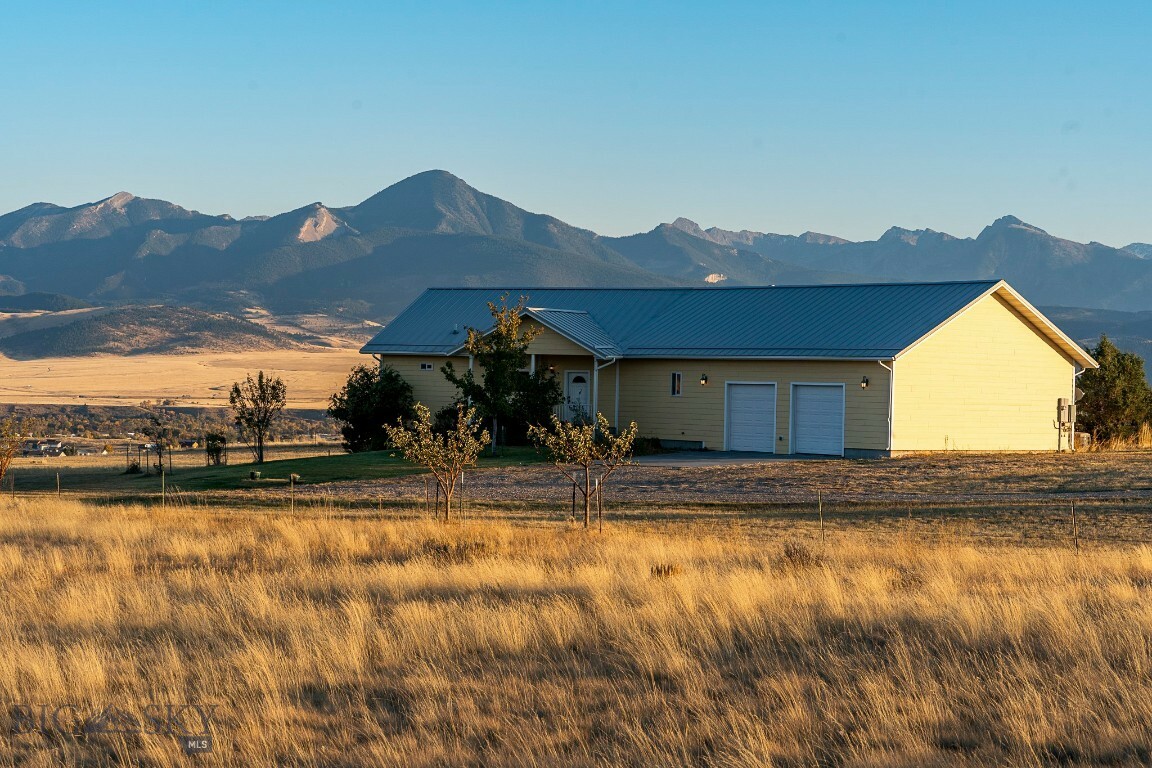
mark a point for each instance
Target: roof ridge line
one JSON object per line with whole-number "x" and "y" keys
{"x": 984, "y": 281}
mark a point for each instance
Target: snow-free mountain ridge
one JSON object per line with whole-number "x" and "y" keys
{"x": 371, "y": 258}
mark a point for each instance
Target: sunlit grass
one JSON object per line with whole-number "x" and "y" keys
{"x": 358, "y": 641}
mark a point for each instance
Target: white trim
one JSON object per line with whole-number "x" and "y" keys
{"x": 596, "y": 367}
{"x": 1037, "y": 321}
{"x": 792, "y": 412}
{"x": 1048, "y": 325}
{"x": 531, "y": 312}
{"x": 775, "y": 412}
{"x": 665, "y": 356}
{"x": 891, "y": 398}
{"x": 676, "y": 384}
{"x": 616, "y": 410}
{"x": 951, "y": 317}
{"x": 527, "y": 311}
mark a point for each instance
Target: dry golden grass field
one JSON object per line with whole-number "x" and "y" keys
{"x": 342, "y": 638}
{"x": 201, "y": 379}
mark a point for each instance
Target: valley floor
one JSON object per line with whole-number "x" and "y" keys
{"x": 194, "y": 380}
{"x": 344, "y": 641}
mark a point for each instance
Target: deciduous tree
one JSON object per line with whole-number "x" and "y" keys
{"x": 581, "y": 450}
{"x": 445, "y": 454}
{"x": 255, "y": 404}
{"x": 506, "y": 392}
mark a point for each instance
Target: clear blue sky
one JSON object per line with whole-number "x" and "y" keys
{"x": 843, "y": 118}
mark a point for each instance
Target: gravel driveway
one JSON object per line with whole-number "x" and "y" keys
{"x": 937, "y": 479}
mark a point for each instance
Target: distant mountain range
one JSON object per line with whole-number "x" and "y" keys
{"x": 369, "y": 260}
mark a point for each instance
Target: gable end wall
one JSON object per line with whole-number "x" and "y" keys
{"x": 986, "y": 381}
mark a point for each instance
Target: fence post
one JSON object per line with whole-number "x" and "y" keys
{"x": 1075, "y": 528}
{"x": 820, "y": 512}
{"x": 600, "y": 504}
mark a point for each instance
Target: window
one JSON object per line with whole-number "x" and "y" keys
{"x": 425, "y": 366}
{"x": 676, "y": 378}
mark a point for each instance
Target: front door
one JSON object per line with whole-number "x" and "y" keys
{"x": 577, "y": 396}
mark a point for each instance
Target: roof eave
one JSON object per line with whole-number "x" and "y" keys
{"x": 596, "y": 352}
{"x": 1033, "y": 315}
{"x": 1022, "y": 305}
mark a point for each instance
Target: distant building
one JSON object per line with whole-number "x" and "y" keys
{"x": 842, "y": 370}
{"x": 42, "y": 448}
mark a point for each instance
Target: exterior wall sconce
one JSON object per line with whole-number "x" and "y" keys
{"x": 864, "y": 383}
{"x": 703, "y": 379}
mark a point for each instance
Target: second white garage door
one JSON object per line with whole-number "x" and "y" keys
{"x": 752, "y": 417}
{"x": 818, "y": 419}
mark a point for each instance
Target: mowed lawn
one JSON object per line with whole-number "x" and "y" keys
{"x": 314, "y": 465}
{"x": 316, "y": 640}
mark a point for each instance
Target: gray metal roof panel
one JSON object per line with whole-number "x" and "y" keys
{"x": 827, "y": 321}
{"x": 578, "y": 326}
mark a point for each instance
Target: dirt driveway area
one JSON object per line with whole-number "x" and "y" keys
{"x": 938, "y": 479}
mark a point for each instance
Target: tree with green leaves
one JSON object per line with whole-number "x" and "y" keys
{"x": 445, "y": 454}
{"x": 1117, "y": 399}
{"x": 372, "y": 397}
{"x": 505, "y": 392}
{"x": 255, "y": 405}
{"x": 581, "y": 450}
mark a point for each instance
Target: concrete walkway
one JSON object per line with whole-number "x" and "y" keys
{"x": 720, "y": 458}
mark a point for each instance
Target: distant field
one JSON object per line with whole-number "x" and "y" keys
{"x": 386, "y": 639}
{"x": 201, "y": 379}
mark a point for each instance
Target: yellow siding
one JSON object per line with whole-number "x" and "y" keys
{"x": 434, "y": 391}
{"x": 551, "y": 343}
{"x": 985, "y": 381}
{"x": 428, "y": 387}
{"x": 698, "y": 413}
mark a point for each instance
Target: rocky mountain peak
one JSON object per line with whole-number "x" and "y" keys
{"x": 319, "y": 224}
{"x": 118, "y": 200}
{"x": 1005, "y": 223}
{"x": 691, "y": 227}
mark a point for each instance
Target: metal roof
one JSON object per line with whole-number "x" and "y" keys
{"x": 860, "y": 321}
{"x": 579, "y": 327}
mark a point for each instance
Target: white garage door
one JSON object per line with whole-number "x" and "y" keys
{"x": 818, "y": 419}
{"x": 752, "y": 417}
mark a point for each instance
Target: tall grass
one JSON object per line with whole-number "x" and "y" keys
{"x": 361, "y": 642}
{"x": 1141, "y": 440}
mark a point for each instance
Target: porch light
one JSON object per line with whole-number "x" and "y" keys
{"x": 703, "y": 379}
{"x": 864, "y": 383}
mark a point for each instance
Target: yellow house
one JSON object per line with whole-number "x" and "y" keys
{"x": 844, "y": 370}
